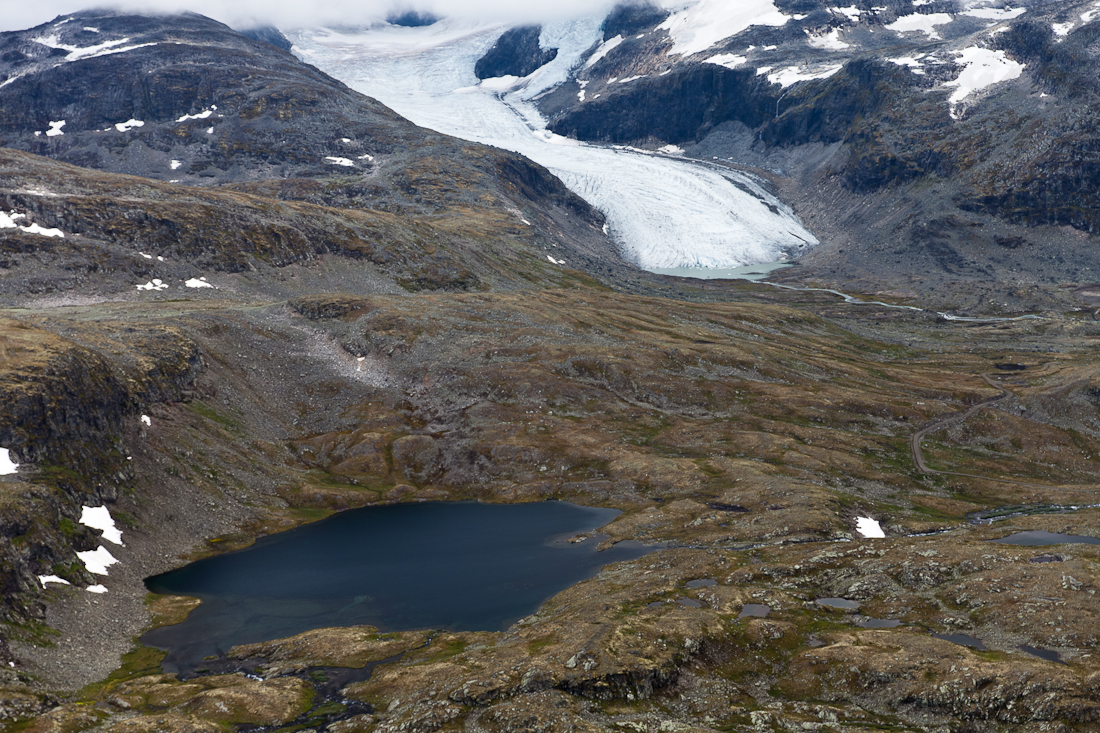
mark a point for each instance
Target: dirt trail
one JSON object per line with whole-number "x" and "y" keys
{"x": 917, "y": 437}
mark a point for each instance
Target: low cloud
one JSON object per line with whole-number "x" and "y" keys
{"x": 298, "y": 13}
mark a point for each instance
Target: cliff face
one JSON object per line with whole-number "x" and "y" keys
{"x": 516, "y": 53}
{"x": 66, "y": 399}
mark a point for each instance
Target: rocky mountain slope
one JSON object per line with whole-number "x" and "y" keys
{"x": 191, "y": 102}
{"x": 925, "y": 143}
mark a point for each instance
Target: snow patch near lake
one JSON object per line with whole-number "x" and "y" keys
{"x": 99, "y": 517}
{"x": 920, "y": 23}
{"x": 869, "y": 528}
{"x": 98, "y": 560}
{"x": 702, "y": 24}
{"x": 7, "y": 466}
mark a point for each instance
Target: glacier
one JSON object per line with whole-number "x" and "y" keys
{"x": 662, "y": 211}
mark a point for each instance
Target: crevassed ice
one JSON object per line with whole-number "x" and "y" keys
{"x": 661, "y": 212}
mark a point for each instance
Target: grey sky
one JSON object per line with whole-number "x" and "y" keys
{"x": 297, "y": 13}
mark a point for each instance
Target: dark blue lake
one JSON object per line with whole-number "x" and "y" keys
{"x": 456, "y": 565}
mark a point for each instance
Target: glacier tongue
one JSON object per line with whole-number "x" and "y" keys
{"x": 663, "y": 212}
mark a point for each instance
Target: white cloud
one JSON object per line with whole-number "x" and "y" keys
{"x": 296, "y": 14}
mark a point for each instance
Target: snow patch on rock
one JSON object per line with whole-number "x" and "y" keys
{"x": 98, "y": 560}
{"x": 7, "y": 221}
{"x": 793, "y": 74}
{"x": 43, "y": 579}
{"x": 7, "y": 466}
{"x": 869, "y": 528}
{"x": 129, "y": 125}
{"x": 99, "y": 517}
{"x": 984, "y": 68}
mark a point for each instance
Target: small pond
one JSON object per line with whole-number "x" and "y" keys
{"x": 457, "y": 566}
{"x": 963, "y": 640}
{"x": 755, "y": 610}
{"x": 878, "y": 623}
{"x": 1040, "y": 538}
{"x": 841, "y": 603}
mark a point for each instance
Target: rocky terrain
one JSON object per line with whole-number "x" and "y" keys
{"x": 228, "y": 356}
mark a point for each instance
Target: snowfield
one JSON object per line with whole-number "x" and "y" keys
{"x": 661, "y": 211}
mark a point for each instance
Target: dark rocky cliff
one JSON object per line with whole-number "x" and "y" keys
{"x": 516, "y": 53}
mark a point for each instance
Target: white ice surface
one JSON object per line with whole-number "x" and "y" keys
{"x": 604, "y": 49}
{"x": 661, "y": 212}
{"x": 794, "y": 74}
{"x": 984, "y": 68}
{"x": 703, "y": 23}
{"x": 99, "y": 517}
{"x": 200, "y": 116}
{"x": 7, "y": 466}
{"x": 43, "y": 579}
{"x": 869, "y": 528}
{"x": 1061, "y": 29}
{"x": 995, "y": 13}
{"x": 920, "y": 22}
{"x": 97, "y": 560}
{"x": 729, "y": 60}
